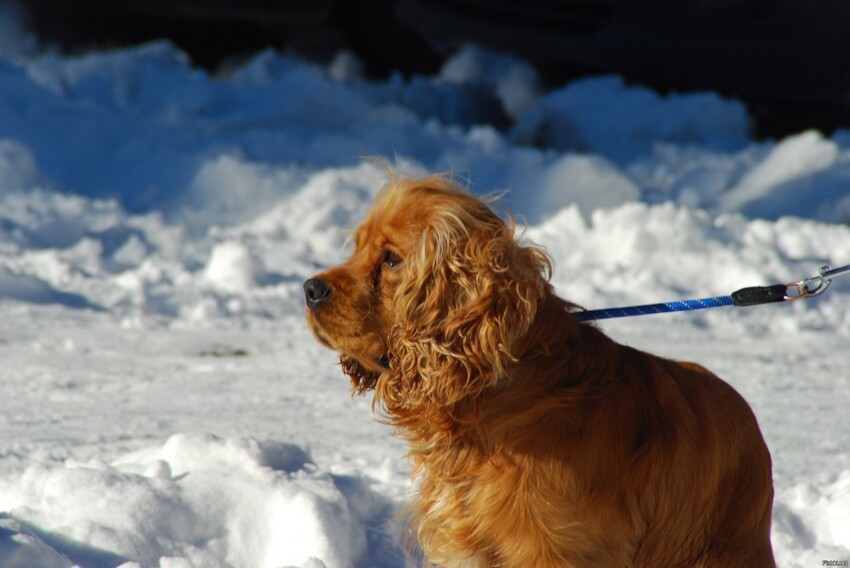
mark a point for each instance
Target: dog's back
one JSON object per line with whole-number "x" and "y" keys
{"x": 700, "y": 465}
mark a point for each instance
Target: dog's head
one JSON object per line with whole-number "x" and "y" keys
{"x": 435, "y": 301}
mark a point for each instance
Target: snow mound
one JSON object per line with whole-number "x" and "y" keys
{"x": 794, "y": 157}
{"x": 805, "y": 173}
{"x": 220, "y": 151}
{"x": 814, "y": 518}
{"x": 21, "y": 548}
{"x": 603, "y": 115}
{"x": 513, "y": 80}
{"x": 202, "y": 499}
{"x": 233, "y": 268}
{"x": 588, "y": 182}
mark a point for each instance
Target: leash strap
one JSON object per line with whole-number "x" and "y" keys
{"x": 752, "y": 296}
{"x": 647, "y": 309}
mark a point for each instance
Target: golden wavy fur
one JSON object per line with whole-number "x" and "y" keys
{"x": 536, "y": 440}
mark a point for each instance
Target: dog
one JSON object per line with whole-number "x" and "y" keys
{"x": 535, "y": 440}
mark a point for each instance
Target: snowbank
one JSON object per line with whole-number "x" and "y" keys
{"x": 197, "y": 500}
{"x": 165, "y": 135}
{"x": 605, "y": 116}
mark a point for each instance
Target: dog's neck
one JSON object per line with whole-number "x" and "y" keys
{"x": 548, "y": 368}
{"x": 552, "y": 328}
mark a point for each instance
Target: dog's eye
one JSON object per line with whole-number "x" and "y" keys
{"x": 391, "y": 259}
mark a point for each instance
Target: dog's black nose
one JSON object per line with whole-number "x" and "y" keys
{"x": 315, "y": 292}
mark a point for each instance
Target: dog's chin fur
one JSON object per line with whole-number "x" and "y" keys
{"x": 362, "y": 379}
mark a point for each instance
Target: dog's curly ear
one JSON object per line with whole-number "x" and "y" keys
{"x": 469, "y": 297}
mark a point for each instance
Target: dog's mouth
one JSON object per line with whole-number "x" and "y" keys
{"x": 317, "y": 333}
{"x": 324, "y": 340}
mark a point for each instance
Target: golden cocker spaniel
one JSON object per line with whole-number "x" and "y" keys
{"x": 536, "y": 440}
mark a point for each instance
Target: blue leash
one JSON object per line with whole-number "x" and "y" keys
{"x": 647, "y": 309}
{"x": 754, "y": 296}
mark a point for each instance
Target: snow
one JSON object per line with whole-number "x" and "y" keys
{"x": 203, "y": 499}
{"x": 795, "y": 157}
{"x": 602, "y": 115}
{"x": 164, "y": 403}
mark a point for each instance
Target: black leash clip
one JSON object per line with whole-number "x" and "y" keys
{"x": 808, "y": 288}
{"x": 757, "y": 295}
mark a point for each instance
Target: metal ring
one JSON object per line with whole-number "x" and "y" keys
{"x": 802, "y": 290}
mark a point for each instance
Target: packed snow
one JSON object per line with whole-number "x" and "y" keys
{"x": 165, "y": 405}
